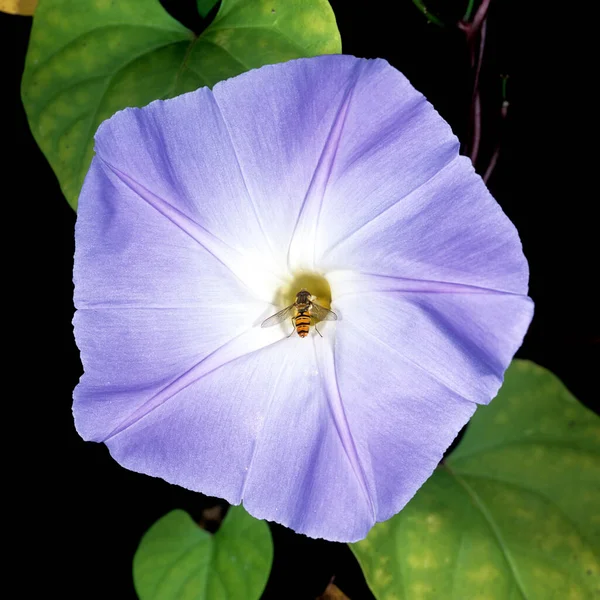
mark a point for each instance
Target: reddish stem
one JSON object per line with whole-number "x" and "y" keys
{"x": 476, "y": 102}
{"x": 473, "y": 31}
{"x": 496, "y": 153}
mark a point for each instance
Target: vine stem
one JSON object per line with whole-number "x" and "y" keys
{"x": 475, "y": 32}
{"x": 476, "y": 101}
{"x": 428, "y": 15}
{"x": 503, "y": 114}
{"x": 480, "y": 15}
{"x": 468, "y": 11}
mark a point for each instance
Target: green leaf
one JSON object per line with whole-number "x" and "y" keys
{"x": 514, "y": 514}
{"x": 205, "y": 6}
{"x": 177, "y": 560}
{"x": 88, "y": 59}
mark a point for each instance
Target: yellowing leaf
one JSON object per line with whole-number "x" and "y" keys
{"x": 513, "y": 514}
{"x": 87, "y": 59}
{"x": 18, "y": 7}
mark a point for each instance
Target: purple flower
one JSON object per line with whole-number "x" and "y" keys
{"x": 204, "y": 215}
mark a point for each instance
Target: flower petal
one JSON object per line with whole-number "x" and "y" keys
{"x": 401, "y": 418}
{"x": 239, "y": 161}
{"x": 258, "y": 428}
{"x": 151, "y": 302}
{"x": 130, "y": 253}
{"x": 393, "y": 142}
{"x": 448, "y": 230}
{"x": 286, "y": 122}
{"x": 177, "y": 156}
{"x": 462, "y": 337}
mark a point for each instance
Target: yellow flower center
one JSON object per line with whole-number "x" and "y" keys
{"x": 315, "y": 283}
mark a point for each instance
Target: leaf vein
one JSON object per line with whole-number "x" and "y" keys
{"x": 535, "y": 493}
{"x": 90, "y": 32}
{"x": 493, "y": 526}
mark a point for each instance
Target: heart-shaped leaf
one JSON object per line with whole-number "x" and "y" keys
{"x": 177, "y": 560}
{"x": 513, "y": 514}
{"x": 205, "y": 6}
{"x": 88, "y": 59}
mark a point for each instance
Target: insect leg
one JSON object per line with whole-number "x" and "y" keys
{"x": 293, "y": 327}
{"x": 318, "y": 330}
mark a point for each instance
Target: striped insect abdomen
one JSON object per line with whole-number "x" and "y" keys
{"x": 302, "y": 323}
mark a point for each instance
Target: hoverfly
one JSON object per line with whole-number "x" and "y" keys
{"x": 303, "y": 313}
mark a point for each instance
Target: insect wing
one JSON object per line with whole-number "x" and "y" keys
{"x": 319, "y": 313}
{"x": 279, "y": 317}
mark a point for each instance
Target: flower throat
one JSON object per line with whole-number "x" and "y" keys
{"x": 302, "y": 306}
{"x": 315, "y": 283}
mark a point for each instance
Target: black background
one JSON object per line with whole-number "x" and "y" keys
{"x": 80, "y": 514}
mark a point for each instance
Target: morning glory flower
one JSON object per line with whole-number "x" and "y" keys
{"x": 204, "y": 215}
